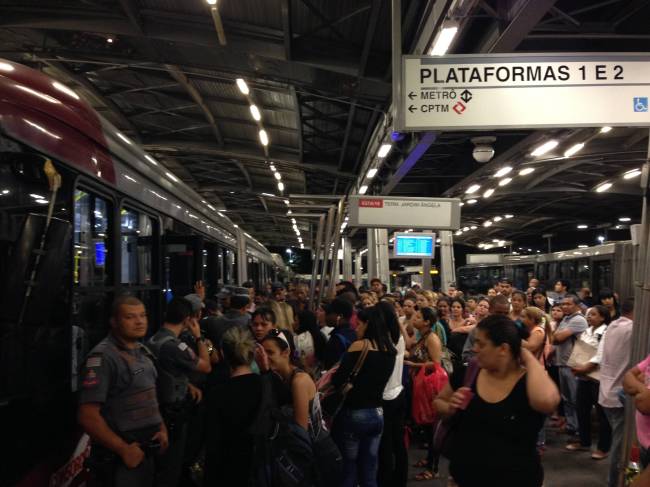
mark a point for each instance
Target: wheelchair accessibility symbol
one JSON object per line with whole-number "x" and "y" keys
{"x": 641, "y": 104}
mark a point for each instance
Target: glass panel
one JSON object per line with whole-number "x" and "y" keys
{"x": 584, "y": 274}
{"x": 91, "y": 240}
{"x": 603, "y": 277}
{"x": 35, "y": 270}
{"x": 136, "y": 242}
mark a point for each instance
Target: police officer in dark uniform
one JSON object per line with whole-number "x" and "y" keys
{"x": 176, "y": 361}
{"x": 119, "y": 406}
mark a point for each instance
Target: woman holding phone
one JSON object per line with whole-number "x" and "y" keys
{"x": 502, "y": 410}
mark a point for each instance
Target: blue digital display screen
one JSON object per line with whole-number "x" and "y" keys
{"x": 414, "y": 245}
{"x": 100, "y": 254}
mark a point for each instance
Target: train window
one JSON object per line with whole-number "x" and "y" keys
{"x": 603, "y": 275}
{"x": 92, "y": 228}
{"x": 136, "y": 241}
{"x": 35, "y": 270}
{"x": 584, "y": 274}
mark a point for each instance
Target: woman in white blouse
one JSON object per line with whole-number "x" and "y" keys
{"x": 598, "y": 318}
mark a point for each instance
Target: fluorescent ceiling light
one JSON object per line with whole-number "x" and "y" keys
{"x": 109, "y": 40}
{"x": 473, "y": 227}
{"x": 363, "y": 189}
{"x": 632, "y": 174}
{"x": 624, "y": 219}
{"x": 488, "y": 193}
{"x": 243, "y": 87}
{"x": 583, "y": 246}
{"x": 267, "y": 194}
{"x": 37, "y": 196}
{"x": 502, "y": 172}
{"x": 235, "y": 225}
{"x": 255, "y": 112}
{"x": 384, "y": 150}
{"x": 505, "y": 181}
{"x": 471, "y": 202}
{"x": 525, "y": 172}
{"x": 264, "y": 138}
{"x": 443, "y": 40}
{"x": 211, "y": 2}
{"x": 171, "y": 176}
{"x": 372, "y": 173}
{"x": 544, "y": 148}
{"x": 63, "y": 88}
{"x": 277, "y": 175}
{"x": 487, "y": 223}
{"x": 459, "y": 232}
{"x": 603, "y": 187}
{"x": 509, "y": 216}
{"x": 574, "y": 149}
{"x": 465, "y": 229}
{"x": 473, "y": 188}
{"x": 281, "y": 186}
{"x": 42, "y": 202}
{"x": 272, "y": 167}
{"x": 583, "y": 227}
{"x": 605, "y": 129}
{"x": 151, "y": 159}
{"x": 286, "y": 202}
{"x": 498, "y": 218}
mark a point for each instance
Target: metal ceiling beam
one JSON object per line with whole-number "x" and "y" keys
{"x": 178, "y": 75}
{"x": 251, "y": 152}
{"x": 191, "y": 30}
{"x": 413, "y": 155}
{"x": 522, "y": 19}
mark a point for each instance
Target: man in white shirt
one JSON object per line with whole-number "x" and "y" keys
{"x": 613, "y": 356}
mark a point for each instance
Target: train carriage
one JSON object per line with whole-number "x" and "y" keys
{"x": 85, "y": 214}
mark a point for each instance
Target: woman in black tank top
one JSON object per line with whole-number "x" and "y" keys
{"x": 500, "y": 413}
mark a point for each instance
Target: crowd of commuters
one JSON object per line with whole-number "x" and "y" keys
{"x": 349, "y": 384}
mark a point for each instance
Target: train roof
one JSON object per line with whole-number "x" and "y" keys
{"x": 45, "y": 114}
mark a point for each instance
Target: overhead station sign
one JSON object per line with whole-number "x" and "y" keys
{"x": 532, "y": 91}
{"x": 393, "y": 211}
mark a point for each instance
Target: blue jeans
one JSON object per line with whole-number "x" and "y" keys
{"x": 568, "y": 391}
{"x": 616, "y": 419}
{"x": 358, "y": 434}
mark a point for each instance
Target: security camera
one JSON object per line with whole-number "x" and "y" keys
{"x": 483, "y": 150}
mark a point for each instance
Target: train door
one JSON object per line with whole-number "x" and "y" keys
{"x": 213, "y": 268}
{"x": 522, "y": 274}
{"x": 182, "y": 264}
{"x": 603, "y": 275}
{"x": 139, "y": 257}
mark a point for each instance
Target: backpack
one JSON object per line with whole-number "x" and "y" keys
{"x": 282, "y": 449}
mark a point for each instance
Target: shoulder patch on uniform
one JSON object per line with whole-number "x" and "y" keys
{"x": 90, "y": 379}
{"x": 182, "y": 346}
{"x": 94, "y": 362}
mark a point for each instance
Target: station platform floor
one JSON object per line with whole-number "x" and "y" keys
{"x": 561, "y": 468}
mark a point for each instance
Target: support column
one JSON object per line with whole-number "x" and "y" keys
{"x": 371, "y": 255}
{"x": 383, "y": 263}
{"x": 326, "y": 253}
{"x": 378, "y": 264}
{"x": 316, "y": 256}
{"x": 336, "y": 238}
{"x": 242, "y": 261}
{"x": 641, "y": 331}
{"x": 358, "y": 268}
{"x": 427, "y": 283}
{"x": 347, "y": 259}
{"x": 447, "y": 264}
